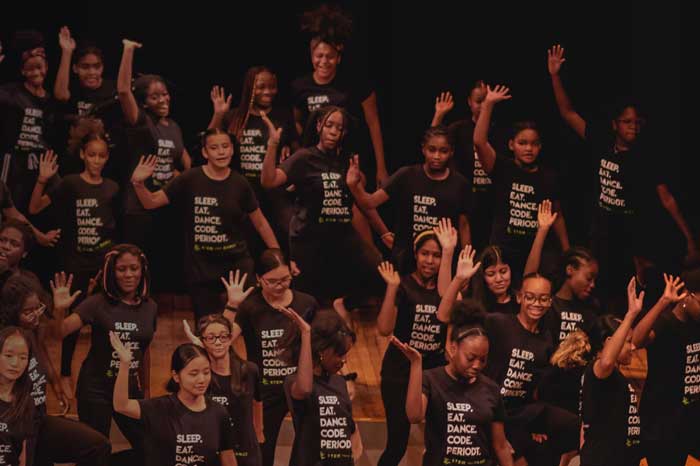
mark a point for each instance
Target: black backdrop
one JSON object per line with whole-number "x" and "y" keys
{"x": 410, "y": 53}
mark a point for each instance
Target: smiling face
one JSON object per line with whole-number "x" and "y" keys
{"x": 34, "y": 71}
{"x": 581, "y": 279}
{"x": 535, "y": 298}
{"x": 128, "y": 271}
{"x": 325, "y": 59}
{"x": 264, "y": 90}
{"x": 217, "y": 340}
{"x": 89, "y": 69}
{"x": 158, "y": 99}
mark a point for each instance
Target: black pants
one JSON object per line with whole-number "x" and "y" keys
{"x": 560, "y": 426}
{"x": 398, "y": 428}
{"x": 207, "y": 297}
{"x": 81, "y": 279}
{"x": 61, "y": 440}
{"x": 274, "y": 410}
{"x": 98, "y": 415}
{"x": 337, "y": 264}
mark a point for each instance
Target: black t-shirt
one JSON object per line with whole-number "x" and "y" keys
{"x": 422, "y": 202}
{"x": 510, "y": 307}
{"x": 672, "y": 389}
{"x": 175, "y": 435}
{"x": 158, "y": 138}
{"x": 323, "y": 423}
{"x": 466, "y": 160}
{"x": 12, "y": 435}
{"x": 252, "y": 145}
{"x": 517, "y": 195}
{"x": 562, "y": 387}
{"x": 84, "y": 101}
{"x": 135, "y": 326}
{"x": 324, "y": 202}
{"x": 458, "y": 419}
{"x": 88, "y": 229}
{"x": 565, "y": 316}
{"x": 610, "y": 421}
{"x": 38, "y": 375}
{"x": 517, "y": 359}
{"x": 416, "y": 324}
{"x": 624, "y": 182}
{"x": 24, "y": 133}
{"x": 214, "y": 214}
{"x": 240, "y": 410}
{"x": 263, "y": 327}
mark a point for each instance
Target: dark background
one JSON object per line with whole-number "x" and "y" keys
{"x": 411, "y": 53}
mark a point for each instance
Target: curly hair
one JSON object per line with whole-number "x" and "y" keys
{"x": 573, "y": 351}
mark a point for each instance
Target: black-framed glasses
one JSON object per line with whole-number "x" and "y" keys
{"x": 223, "y": 338}
{"x": 543, "y": 300}
{"x": 277, "y": 281}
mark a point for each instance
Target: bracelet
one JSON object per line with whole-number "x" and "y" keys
{"x": 231, "y": 308}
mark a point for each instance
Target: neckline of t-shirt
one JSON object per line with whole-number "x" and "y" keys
{"x": 230, "y": 173}
{"x": 207, "y": 404}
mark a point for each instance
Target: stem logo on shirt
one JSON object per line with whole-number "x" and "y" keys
{"x": 633, "y": 421}
{"x": 518, "y": 374}
{"x": 611, "y": 190}
{"x": 334, "y": 429}
{"x": 570, "y": 321}
{"x": 252, "y": 151}
{"x": 522, "y": 213}
{"x": 272, "y": 365}
{"x": 87, "y": 223}
{"x": 314, "y": 102}
{"x": 460, "y": 444}
{"x": 691, "y": 380}
{"x": 124, "y": 330}
{"x": 426, "y": 331}
{"x": 422, "y": 218}
{"x": 163, "y": 171}
{"x": 84, "y": 107}
{"x": 38, "y": 382}
{"x": 480, "y": 179}
{"x": 334, "y": 208}
{"x": 208, "y": 236}
{"x": 185, "y": 453}
{"x": 31, "y": 131}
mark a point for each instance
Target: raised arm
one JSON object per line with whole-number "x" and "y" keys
{"x": 126, "y": 98}
{"x": 364, "y": 200}
{"x": 447, "y": 237}
{"x": 48, "y": 167}
{"x": 143, "y": 171}
{"x": 303, "y": 384}
{"x": 545, "y": 220}
{"x": 484, "y": 150}
{"x": 555, "y": 58}
{"x": 61, "y": 89}
{"x": 62, "y": 301}
{"x": 369, "y": 108}
{"x": 465, "y": 271}
{"x": 235, "y": 295}
{"x": 443, "y": 105}
{"x": 271, "y": 176}
{"x": 121, "y": 402}
{"x": 386, "y": 319}
{"x": 221, "y": 105}
{"x": 643, "y": 333}
{"x": 416, "y": 402}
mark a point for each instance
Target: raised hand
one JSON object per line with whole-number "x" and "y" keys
{"x": 234, "y": 288}
{"x": 446, "y": 234}
{"x": 390, "y": 276}
{"x": 634, "y": 301}
{"x": 354, "y": 176}
{"x": 48, "y": 239}
{"x": 545, "y": 217}
{"x": 93, "y": 282}
{"x": 145, "y": 168}
{"x": 301, "y": 324}
{"x": 60, "y": 288}
{"x": 407, "y": 350}
{"x": 555, "y": 58}
{"x": 444, "y": 103}
{"x": 131, "y": 45}
{"x": 65, "y": 41}
{"x": 497, "y": 94}
{"x": 672, "y": 291}
{"x": 221, "y": 103}
{"x": 48, "y": 166}
{"x": 123, "y": 352}
{"x": 274, "y": 134}
{"x": 466, "y": 268}
{"x": 188, "y": 332}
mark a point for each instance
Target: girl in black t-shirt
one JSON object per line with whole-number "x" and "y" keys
{"x": 493, "y": 285}
{"x": 325, "y": 432}
{"x": 609, "y": 409}
{"x": 124, "y": 306}
{"x": 462, "y": 408}
{"x": 57, "y": 439}
{"x": 324, "y": 242}
{"x": 330, "y": 29}
{"x": 16, "y": 403}
{"x": 235, "y": 384}
{"x": 185, "y": 426}
{"x": 217, "y": 201}
{"x": 258, "y": 320}
{"x": 409, "y": 311}
{"x": 246, "y": 125}
{"x": 519, "y": 184}
{"x": 89, "y": 220}
{"x": 16, "y": 240}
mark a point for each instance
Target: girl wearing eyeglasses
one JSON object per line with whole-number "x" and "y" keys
{"x": 262, "y": 325}
{"x": 235, "y": 384}
{"x": 58, "y": 439}
{"x": 629, "y": 188}
{"x": 670, "y": 406}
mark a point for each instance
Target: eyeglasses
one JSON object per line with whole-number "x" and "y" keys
{"x": 544, "y": 299}
{"x": 223, "y": 338}
{"x": 277, "y": 281}
{"x": 34, "y": 312}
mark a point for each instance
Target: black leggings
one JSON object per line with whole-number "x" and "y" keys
{"x": 274, "y": 410}
{"x": 339, "y": 264}
{"x": 397, "y": 426}
{"x": 61, "y": 440}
